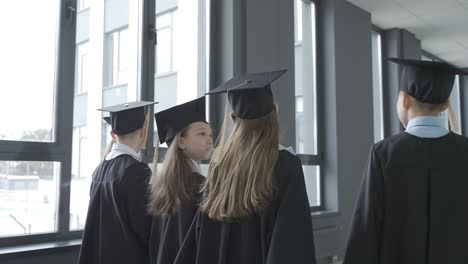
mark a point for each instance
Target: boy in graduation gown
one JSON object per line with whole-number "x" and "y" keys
{"x": 118, "y": 225}
{"x": 413, "y": 203}
{"x": 236, "y": 223}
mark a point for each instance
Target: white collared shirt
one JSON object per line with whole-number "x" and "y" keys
{"x": 426, "y": 127}
{"x": 288, "y": 149}
{"x": 195, "y": 166}
{"x": 121, "y": 149}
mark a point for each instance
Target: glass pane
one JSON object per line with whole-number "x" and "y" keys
{"x": 164, "y": 20}
{"x": 312, "y": 181}
{"x": 108, "y": 75}
{"x": 298, "y": 22}
{"x": 163, "y": 51}
{"x": 27, "y": 64}
{"x": 82, "y": 68}
{"x": 28, "y": 191}
{"x": 181, "y": 52}
{"x": 82, "y": 4}
{"x": 377, "y": 86}
{"x": 305, "y": 77}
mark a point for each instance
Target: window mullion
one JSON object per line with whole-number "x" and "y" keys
{"x": 64, "y": 109}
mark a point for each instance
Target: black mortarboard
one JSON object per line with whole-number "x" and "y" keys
{"x": 427, "y": 81}
{"x": 250, "y": 95}
{"x": 171, "y": 121}
{"x": 128, "y": 117}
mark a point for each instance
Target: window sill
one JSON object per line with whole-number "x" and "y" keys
{"x": 165, "y": 74}
{"x": 59, "y": 246}
{"x": 324, "y": 214}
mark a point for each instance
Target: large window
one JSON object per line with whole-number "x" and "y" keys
{"x": 28, "y": 71}
{"x": 28, "y": 191}
{"x": 34, "y": 141}
{"x": 107, "y": 75}
{"x": 306, "y": 94}
{"x": 181, "y": 53}
{"x": 377, "y": 86}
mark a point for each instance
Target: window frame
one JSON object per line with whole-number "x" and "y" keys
{"x": 377, "y": 30}
{"x": 314, "y": 159}
{"x": 58, "y": 150}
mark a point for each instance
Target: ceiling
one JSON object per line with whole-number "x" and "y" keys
{"x": 441, "y": 25}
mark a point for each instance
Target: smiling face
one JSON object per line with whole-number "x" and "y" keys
{"x": 197, "y": 141}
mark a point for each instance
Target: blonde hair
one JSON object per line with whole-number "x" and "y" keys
{"x": 173, "y": 186}
{"x": 240, "y": 178}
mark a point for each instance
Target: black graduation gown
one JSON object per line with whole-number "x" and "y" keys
{"x": 168, "y": 232}
{"x": 413, "y": 205}
{"x": 117, "y": 226}
{"x": 281, "y": 233}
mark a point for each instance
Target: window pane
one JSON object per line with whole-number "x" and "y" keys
{"x": 82, "y": 4}
{"x": 28, "y": 191}
{"x": 312, "y": 181}
{"x": 306, "y": 112}
{"x": 377, "y": 86}
{"x": 163, "y": 51}
{"x": 27, "y": 65}
{"x": 111, "y": 37}
{"x": 82, "y": 68}
{"x": 298, "y": 22}
{"x": 164, "y": 20}
{"x": 181, "y": 52}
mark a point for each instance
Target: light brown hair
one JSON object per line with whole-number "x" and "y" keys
{"x": 173, "y": 186}
{"x": 240, "y": 178}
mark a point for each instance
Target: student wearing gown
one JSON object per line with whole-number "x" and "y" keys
{"x": 255, "y": 208}
{"x": 175, "y": 190}
{"x": 118, "y": 225}
{"x": 413, "y": 204}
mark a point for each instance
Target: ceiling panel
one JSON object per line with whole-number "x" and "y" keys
{"x": 441, "y": 25}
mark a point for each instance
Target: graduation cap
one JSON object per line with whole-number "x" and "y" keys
{"x": 427, "y": 81}
{"x": 126, "y": 118}
{"x": 171, "y": 121}
{"x": 250, "y": 95}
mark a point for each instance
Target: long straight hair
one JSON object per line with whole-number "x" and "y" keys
{"x": 173, "y": 186}
{"x": 240, "y": 178}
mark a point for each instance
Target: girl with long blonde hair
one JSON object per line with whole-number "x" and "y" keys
{"x": 255, "y": 207}
{"x": 175, "y": 189}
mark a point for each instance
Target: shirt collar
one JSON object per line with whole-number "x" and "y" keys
{"x": 426, "y": 121}
{"x": 122, "y": 149}
{"x": 195, "y": 166}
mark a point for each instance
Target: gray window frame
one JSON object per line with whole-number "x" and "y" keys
{"x": 60, "y": 149}
{"x": 316, "y": 159}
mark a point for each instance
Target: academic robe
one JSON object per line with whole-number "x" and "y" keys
{"x": 168, "y": 231}
{"x": 413, "y": 204}
{"x": 281, "y": 233}
{"x": 118, "y": 225}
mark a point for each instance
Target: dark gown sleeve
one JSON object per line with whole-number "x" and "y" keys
{"x": 136, "y": 183}
{"x": 364, "y": 241}
{"x": 292, "y": 238}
